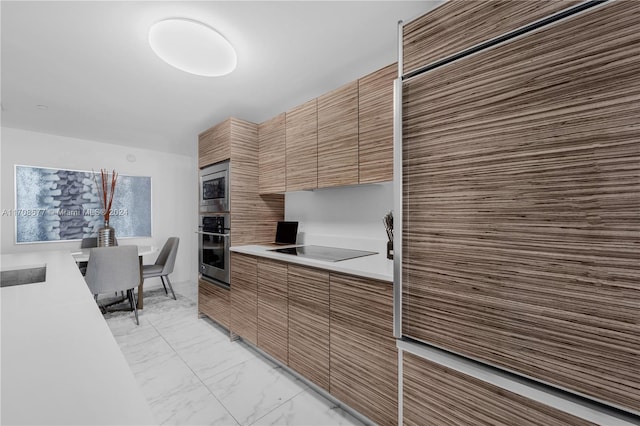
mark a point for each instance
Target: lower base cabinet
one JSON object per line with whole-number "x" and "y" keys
{"x": 434, "y": 394}
{"x": 364, "y": 360}
{"x": 214, "y": 302}
{"x": 309, "y": 323}
{"x": 244, "y": 297}
{"x": 273, "y": 317}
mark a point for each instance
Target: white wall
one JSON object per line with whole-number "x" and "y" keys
{"x": 173, "y": 181}
{"x": 344, "y": 216}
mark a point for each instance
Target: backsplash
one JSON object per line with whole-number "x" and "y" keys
{"x": 342, "y": 217}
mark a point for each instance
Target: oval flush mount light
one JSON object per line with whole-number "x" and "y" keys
{"x": 193, "y": 47}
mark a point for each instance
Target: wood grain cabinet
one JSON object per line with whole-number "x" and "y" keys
{"x": 375, "y": 125}
{"x": 214, "y": 144}
{"x": 364, "y": 360}
{"x": 244, "y": 297}
{"x": 524, "y": 236}
{"x": 302, "y": 147}
{"x": 271, "y": 155}
{"x": 461, "y": 24}
{"x": 309, "y": 323}
{"x": 437, "y": 395}
{"x": 214, "y": 302}
{"x": 273, "y": 301}
{"x": 338, "y": 137}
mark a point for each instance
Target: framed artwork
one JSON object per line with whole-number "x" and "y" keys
{"x": 62, "y": 205}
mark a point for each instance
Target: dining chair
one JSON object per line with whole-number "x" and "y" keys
{"x": 88, "y": 242}
{"x": 114, "y": 269}
{"x": 164, "y": 264}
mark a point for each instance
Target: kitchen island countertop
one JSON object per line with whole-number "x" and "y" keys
{"x": 60, "y": 362}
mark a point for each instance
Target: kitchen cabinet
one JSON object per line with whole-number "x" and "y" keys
{"x": 460, "y": 24}
{"x": 375, "y": 125}
{"x": 338, "y": 137}
{"x": 439, "y": 395}
{"x": 521, "y": 190}
{"x": 271, "y": 156}
{"x": 309, "y": 323}
{"x": 244, "y": 297}
{"x": 302, "y": 147}
{"x": 273, "y": 318}
{"x": 214, "y": 302}
{"x": 214, "y": 144}
{"x": 364, "y": 359}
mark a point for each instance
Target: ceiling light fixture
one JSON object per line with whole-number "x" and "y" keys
{"x": 193, "y": 47}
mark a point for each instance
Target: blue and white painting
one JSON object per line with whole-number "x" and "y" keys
{"x": 61, "y": 205}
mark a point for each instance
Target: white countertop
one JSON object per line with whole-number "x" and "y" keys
{"x": 377, "y": 266}
{"x": 60, "y": 363}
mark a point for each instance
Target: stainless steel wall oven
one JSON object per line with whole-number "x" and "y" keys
{"x": 214, "y": 188}
{"x": 214, "y": 242}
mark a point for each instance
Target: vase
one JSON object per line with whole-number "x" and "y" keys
{"x": 389, "y": 249}
{"x": 106, "y": 236}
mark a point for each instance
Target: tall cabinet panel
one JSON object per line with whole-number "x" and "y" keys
{"x": 213, "y": 144}
{"x": 302, "y": 147}
{"x": 522, "y": 192}
{"x": 338, "y": 137}
{"x": 461, "y": 24}
{"x": 375, "y": 121}
{"x": 309, "y": 323}
{"x": 271, "y": 157}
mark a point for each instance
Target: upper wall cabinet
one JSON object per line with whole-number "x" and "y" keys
{"x": 375, "y": 120}
{"x": 271, "y": 160}
{"x": 437, "y": 34}
{"x": 338, "y": 137}
{"x": 302, "y": 147}
{"x": 213, "y": 144}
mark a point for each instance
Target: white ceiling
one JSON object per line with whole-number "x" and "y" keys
{"x": 90, "y": 63}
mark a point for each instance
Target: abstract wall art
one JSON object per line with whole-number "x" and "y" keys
{"x": 61, "y": 205}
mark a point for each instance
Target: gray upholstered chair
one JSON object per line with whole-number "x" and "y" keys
{"x": 164, "y": 264}
{"x": 114, "y": 269}
{"x": 88, "y": 242}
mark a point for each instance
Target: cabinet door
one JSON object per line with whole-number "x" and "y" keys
{"x": 309, "y": 323}
{"x": 437, "y": 395}
{"x": 364, "y": 360}
{"x": 523, "y": 236}
{"x": 302, "y": 147}
{"x": 271, "y": 157}
{"x": 338, "y": 137}
{"x": 461, "y": 24}
{"x": 244, "y": 296}
{"x": 273, "y": 318}
{"x": 214, "y": 302}
{"x": 214, "y": 144}
{"x": 375, "y": 119}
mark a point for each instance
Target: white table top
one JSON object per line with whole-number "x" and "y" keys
{"x": 376, "y": 266}
{"x": 60, "y": 362}
{"x": 82, "y": 255}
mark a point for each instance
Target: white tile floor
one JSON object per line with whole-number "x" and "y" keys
{"x": 192, "y": 374}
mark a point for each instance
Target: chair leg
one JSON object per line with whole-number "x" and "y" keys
{"x": 134, "y": 304}
{"x": 170, "y": 287}
{"x": 165, "y": 287}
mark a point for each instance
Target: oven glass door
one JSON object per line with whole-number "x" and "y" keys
{"x": 214, "y": 249}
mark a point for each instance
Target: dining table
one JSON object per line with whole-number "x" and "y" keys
{"x": 82, "y": 255}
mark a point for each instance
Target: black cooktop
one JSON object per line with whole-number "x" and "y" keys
{"x": 329, "y": 254}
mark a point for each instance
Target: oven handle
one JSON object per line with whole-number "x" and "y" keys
{"x": 215, "y": 234}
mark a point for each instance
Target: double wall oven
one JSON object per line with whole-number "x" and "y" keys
{"x": 214, "y": 232}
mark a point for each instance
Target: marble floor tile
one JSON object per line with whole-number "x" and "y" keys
{"x": 194, "y": 405}
{"x": 310, "y": 409}
{"x": 253, "y": 388}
